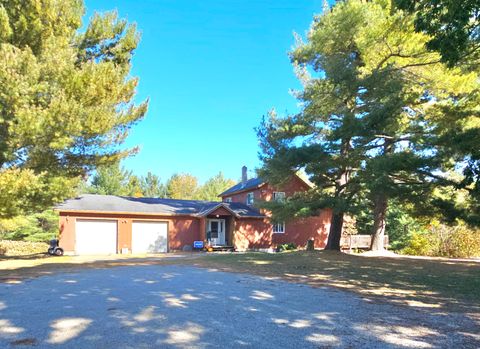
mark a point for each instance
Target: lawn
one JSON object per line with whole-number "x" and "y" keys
{"x": 424, "y": 283}
{"x": 439, "y": 284}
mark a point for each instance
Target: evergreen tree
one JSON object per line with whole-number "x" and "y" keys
{"x": 453, "y": 26}
{"x": 373, "y": 116}
{"x": 115, "y": 180}
{"x": 153, "y": 187}
{"x": 214, "y": 186}
{"x": 66, "y": 99}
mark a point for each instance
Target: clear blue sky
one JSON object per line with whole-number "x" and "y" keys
{"x": 211, "y": 69}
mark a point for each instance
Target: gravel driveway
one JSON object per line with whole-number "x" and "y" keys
{"x": 187, "y": 307}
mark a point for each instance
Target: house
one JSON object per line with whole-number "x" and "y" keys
{"x": 107, "y": 224}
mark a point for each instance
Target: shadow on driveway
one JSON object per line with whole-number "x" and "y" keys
{"x": 187, "y": 307}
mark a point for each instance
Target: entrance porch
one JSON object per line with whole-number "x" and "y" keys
{"x": 218, "y": 228}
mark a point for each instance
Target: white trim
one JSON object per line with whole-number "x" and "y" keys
{"x": 250, "y": 198}
{"x": 229, "y": 199}
{"x": 221, "y": 204}
{"x": 279, "y": 193}
{"x": 275, "y": 226}
{"x": 220, "y": 240}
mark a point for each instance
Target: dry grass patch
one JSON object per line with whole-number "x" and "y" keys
{"x": 16, "y": 270}
{"x": 436, "y": 284}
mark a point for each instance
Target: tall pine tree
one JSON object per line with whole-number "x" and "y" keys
{"x": 66, "y": 98}
{"x": 372, "y": 108}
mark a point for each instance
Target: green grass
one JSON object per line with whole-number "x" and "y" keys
{"x": 436, "y": 284}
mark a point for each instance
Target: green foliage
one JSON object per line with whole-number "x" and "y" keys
{"x": 441, "y": 240}
{"x": 41, "y": 226}
{"x": 116, "y": 180}
{"x": 286, "y": 247}
{"x": 378, "y": 110}
{"x": 453, "y": 25}
{"x": 182, "y": 186}
{"x": 66, "y": 99}
{"x": 211, "y": 188}
{"x": 111, "y": 180}
{"x": 152, "y": 187}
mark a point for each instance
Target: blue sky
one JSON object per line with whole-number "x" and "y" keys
{"x": 211, "y": 69}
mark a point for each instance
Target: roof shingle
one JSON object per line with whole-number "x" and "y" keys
{"x": 124, "y": 204}
{"x": 249, "y": 184}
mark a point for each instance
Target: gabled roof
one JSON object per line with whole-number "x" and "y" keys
{"x": 251, "y": 183}
{"x": 254, "y": 183}
{"x": 123, "y": 204}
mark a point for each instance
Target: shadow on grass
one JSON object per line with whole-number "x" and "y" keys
{"x": 25, "y": 257}
{"x": 422, "y": 283}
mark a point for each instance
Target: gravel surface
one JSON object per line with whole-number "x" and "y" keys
{"x": 187, "y": 307}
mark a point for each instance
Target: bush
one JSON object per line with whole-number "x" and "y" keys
{"x": 22, "y": 248}
{"x": 417, "y": 245}
{"x": 442, "y": 240}
{"x": 286, "y": 247}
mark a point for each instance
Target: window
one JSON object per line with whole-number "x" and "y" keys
{"x": 279, "y": 228}
{"x": 228, "y": 199}
{"x": 250, "y": 198}
{"x": 279, "y": 196}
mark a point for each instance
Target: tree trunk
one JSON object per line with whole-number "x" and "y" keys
{"x": 335, "y": 233}
{"x": 379, "y": 222}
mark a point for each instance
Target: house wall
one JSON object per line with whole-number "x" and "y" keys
{"x": 252, "y": 233}
{"x": 182, "y": 230}
{"x": 258, "y": 234}
{"x": 265, "y": 192}
{"x": 299, "y": 231}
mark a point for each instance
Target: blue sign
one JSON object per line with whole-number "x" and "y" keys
{"x": 198, "y": 244}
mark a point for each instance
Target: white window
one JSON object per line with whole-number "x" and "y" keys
{"x": 279, "y": 196}
{"x": 228, "y": 199}
{"x": 279, "y": 228}
{"x": 250, "y": 198}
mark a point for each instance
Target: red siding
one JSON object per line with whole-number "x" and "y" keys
{"x": 249, "y": 233}
{"x": 252, "y": 234}
{"x": 258, "y": 233}
{"x": 181, "y": 230}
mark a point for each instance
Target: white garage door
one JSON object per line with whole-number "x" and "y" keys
{"x": 95, "y": 237}
{"x": 149, "y": 237}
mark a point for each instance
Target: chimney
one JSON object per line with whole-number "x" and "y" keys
{"x": 244, "y": 175}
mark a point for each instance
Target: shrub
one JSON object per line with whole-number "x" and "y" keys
{"x": 457, "y": 241}
{"x": 286, "y": 247}
{"x": 417, "y": 245}
{"x": 21, "y": 248}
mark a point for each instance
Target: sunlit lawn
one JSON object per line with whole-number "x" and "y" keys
{"x": 439, "y": 284}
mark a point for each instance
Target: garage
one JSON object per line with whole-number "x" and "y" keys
{"x": 149, "y": 237}
{"x": 95, "y": 236}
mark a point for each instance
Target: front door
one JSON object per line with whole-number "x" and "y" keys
{"x": 216, "y": 227}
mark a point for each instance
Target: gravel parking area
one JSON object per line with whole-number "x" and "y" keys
{"x": 186, "y": 307}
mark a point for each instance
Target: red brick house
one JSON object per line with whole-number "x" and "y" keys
{"x": 107, "y": 224}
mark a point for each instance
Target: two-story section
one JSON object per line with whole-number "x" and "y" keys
{"x": 265, "y": 234}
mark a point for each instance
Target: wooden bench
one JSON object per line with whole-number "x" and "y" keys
{"x": 348, "y": 242}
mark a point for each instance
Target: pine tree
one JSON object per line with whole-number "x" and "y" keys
{"x": 66, "y": 99}
{"x": 372, "y": 119}
{"x": 152, "y": 186}
{"x": 212, "y": 187}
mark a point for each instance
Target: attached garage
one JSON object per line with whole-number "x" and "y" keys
{"x": 108, "y": 224}
{"x": 149, "y": 237}
{"x": 95, "y": 236}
